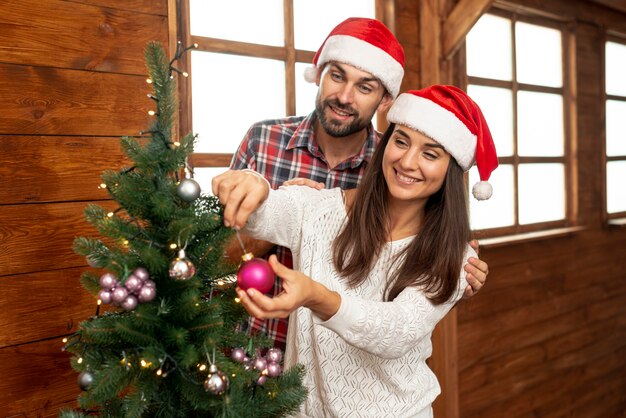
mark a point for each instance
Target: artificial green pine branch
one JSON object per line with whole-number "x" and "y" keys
{"x": 151, "y": 360}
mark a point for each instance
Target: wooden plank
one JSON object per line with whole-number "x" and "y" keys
{"x": 45, "y": 101}
{"x": 430, "y": 44}
{"x": 158, "y": 7}
{"x": 59, "y": 168}
{"x": 64, "y": 34}
{"x": 444, "y": 363}
{"x": 45, "y": 304}
{"x": 37, "y": 379}
{"x": 39, "y": 237}
{"x": 459, "y": 22}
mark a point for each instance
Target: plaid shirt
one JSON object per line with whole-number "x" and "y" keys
{"x": 283, "y": 149}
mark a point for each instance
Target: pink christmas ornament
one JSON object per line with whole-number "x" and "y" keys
{"x": 274, "y": 369}
{"x": 119, "y": 294}
{"x": 129, "y": 303}
{"x": 141, "y": 273}
{"x": 255, "y": 273}
{"x": 146, "y": 293}
{"x": 105, "y": 296}
{"x": 274, "y": 354}
{"x": 132, "y": 284}
{"x": 108, "y": 281}
{"x": 238, "y": 354}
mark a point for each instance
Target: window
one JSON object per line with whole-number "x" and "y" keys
{"x": 249, "y": 66}
{"x": 615, "y": 85}
{"x": 516, "y": 73}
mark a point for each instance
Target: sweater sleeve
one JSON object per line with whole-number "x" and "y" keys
{"x": 390, "y": 329}
{"x": 279, "y": 219}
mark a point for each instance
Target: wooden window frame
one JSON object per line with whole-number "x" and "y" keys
{"x": 567, "y": 91}
{"x": 618, "y": 218}
{"x": 286, "y": 53}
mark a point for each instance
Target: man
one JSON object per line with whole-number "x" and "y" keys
{"x": 358, "y": 70}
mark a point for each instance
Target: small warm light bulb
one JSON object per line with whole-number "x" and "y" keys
{"x": 185, "y": 74}
{"x": 197, "y": 304}
{"x": 64, "y": 340}
{"x": 103, "y": 186}
{"x": 233, "y": 375}
{"x": 159, "y": 372}
{"x": 195, "y": 45}
{"x": 149, "y": 80}
{"x": 110, "y": 214}
{"x": 99, "y": 302}
{"x": 80, "y": 360}
{"x": 143, "y": 363}
{"x": 202, "y": 367}
{"x": 173, "y": 246}
{"x": 177, "y": 144}
{"x": 237, "y": 300}
{"x": 125, "y": 242}
{"x": 220, "y": 282}
{"x": 151, "y": 112}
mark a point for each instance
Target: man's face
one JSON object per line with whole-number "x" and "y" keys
{"x": 347, "y": 99}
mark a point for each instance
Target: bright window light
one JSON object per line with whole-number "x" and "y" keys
{"x": 540, "y": 124}
{"x": 615, "y": 68}
{"x": 313, "y": 20}
{"x": 499, "y": 210}
{"x": 226, "y": 97}
{"x": 615, "y": 128}
{"x": 497, "y": 106}
{"x": 541, "y": 193}
{"x": 616, "y": 194}
{"x": 488, "y": 47}
{"x": 253, "y": 21}
{"x": 539, "y": 55}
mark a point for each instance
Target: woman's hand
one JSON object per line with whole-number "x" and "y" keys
{"x": 241, "y": 192}
{"x": 298, "y": 290}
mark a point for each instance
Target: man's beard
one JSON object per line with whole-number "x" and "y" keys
{"x": 336, "y": 128}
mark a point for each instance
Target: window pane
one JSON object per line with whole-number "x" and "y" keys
{"x": 204, "y": 175}
{"x": 497, "y": 106}
{"x": 313, "y": 20}
{"x": 263, "y": 20}
{"x": 230, "y": 93}
{"x": 541, "y": 192}
{"x": 499, "y": 209}
{"x": 615, "y": 192}
{"x": 540, "y": 124}
{"x": 305, "y": 92}
{"x": 615, "y": 68}
{"x": 615, "y": 128}
{"x": 539, "y": 55}
{"x": 488, "y": 47}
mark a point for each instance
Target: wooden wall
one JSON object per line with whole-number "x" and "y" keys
{"x": 72, "y": 80}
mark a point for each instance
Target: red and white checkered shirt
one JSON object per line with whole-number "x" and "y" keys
{"x": 282, "y": 149}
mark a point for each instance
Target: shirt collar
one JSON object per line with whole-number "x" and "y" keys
{"x": 304, "y": 137}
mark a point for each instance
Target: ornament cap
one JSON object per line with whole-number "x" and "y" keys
{"x": 247, "y": 256}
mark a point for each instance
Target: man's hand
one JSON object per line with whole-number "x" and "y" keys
{"x": 301, "y": 181}
{"x": 477, "y": 271}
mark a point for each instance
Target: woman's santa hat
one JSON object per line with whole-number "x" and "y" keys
{"x": 366, "y": 44}
{"x": 447, "y": 115}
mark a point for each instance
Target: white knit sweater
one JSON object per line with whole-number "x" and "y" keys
{"x": 369, "y": 359}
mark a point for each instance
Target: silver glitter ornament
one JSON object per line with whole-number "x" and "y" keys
{"x": 181, "y": 268}
{"x": 216, "y": 382}
{"x": 85, "y": 379}
{"x": 188, "y": 190}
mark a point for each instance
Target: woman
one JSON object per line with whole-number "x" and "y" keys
{"x": 378, "y": 266}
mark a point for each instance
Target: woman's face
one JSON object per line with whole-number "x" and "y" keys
{"x": 414, "y": 165}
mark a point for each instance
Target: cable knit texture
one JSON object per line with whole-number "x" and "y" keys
{"x": 369, "y": 359}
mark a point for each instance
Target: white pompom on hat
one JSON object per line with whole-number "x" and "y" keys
{"x": 366, "y": 44}
{"x": 450, "y": 117}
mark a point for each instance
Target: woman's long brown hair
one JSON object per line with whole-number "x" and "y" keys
{"x": 433, "y": 259}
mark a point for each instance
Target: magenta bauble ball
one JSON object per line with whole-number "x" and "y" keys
{"x": 146, "y": 293}
{"x": 255, "y": 273}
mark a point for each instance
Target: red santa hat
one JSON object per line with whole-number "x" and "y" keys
{"x": 366, "y": 44}
{"x": 448, "y": 115}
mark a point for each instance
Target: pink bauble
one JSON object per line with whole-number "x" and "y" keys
{"x": 119, "y": 294}
{"x": 141, "y": 273}
{"x": 238, "y": 354}
{"x": 129, "y": 303}
{"x": 149, "y": 283}
{"x": 274, "y": 369}
{"x": 104, "y": 296}
{"x": 146, "y": 294}
{"x": 259, "y": 363}
{"x": 108, "y": 281}
{"x": 274, "y": 354}
{"x": 256, "y": 274}
{"x": 133, "y": 284}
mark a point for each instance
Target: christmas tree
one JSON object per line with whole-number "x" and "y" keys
{"x": 168, "y": 344}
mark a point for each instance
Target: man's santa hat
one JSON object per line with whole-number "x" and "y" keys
{"x": 366, "y": 44}
{"x": 447, "y": 115}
